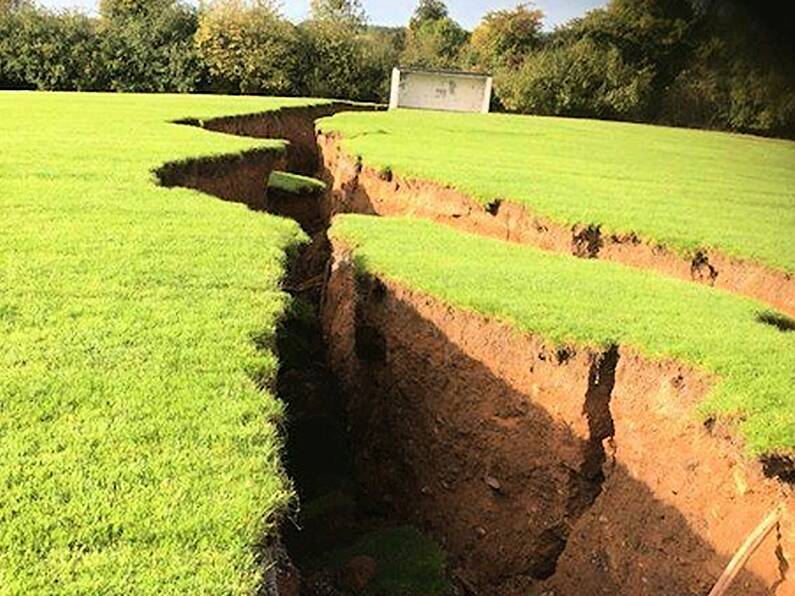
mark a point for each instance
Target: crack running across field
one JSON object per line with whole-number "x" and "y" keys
{"x": 405, "y": 432}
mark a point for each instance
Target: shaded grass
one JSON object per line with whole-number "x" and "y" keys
{"x": 570, "y": 300}
{"x": 139, "y": 455}
{"x": 407, "y": 562}
{"x": 295, "y": 183}
{"x": 686, "y": 189}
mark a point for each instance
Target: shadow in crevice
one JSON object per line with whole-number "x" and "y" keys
{"x": 341, "y": 541}
{"x": 441, "y": 440}
{"x": 774, "y": 319}
{"x": 781, "y": 467}
{"x": 318, "y": 456}
{"x": 238, "y": 178}
{"x": 242, "y": 177}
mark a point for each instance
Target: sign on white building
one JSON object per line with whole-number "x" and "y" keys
{"x": 440, "y": 90}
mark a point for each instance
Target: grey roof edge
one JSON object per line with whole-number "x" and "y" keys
{"x": 445, "y": 72}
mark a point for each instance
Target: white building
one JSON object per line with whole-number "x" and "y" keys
{"x": 440, "y": 90}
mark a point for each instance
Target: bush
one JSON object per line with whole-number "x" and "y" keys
{"x": 583, "y": 79}
{"x": 435, "y": 44}
{"x": 248, "y": 48}
{"x": 150, "y": 48}
{"x": 382, "y": 49}
{"x": 50, "y": 51}
{"x": 738, "y": 78}
{"x": 10, "y": 76}
{"x": 343, "y": 57}
{"x": 505, "y": 37}
{"x": 334, "y": 62}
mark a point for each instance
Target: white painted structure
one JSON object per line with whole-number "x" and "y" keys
{"x": 440, "y": 90}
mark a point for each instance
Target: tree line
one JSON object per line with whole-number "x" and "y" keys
{"x": 703, "y": 63}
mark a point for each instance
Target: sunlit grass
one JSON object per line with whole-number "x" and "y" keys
{"x": 139, "y": 456}
{"x": 686, "y": 189}
{"x": 294, "y": 183}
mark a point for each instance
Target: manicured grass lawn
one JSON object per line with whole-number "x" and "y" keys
{"x": 686, "y": 189}
{"x": 139, "y": 456}
{"x": 140, "y": 452}
{"x": 570, "y": 300}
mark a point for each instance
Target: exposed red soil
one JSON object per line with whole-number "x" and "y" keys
{"x": 242, "y": 177}
{"x": 360, "y": 189}
{"x": 560, "y": 471}
{"x": 295, "y": 125}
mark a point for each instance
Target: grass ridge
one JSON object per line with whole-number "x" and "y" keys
{"x": 567, "y": 300}
{"x": 684, "y": 189}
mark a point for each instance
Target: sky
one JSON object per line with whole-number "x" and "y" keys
{"x": 466, "y": 12}
{"x": 391, "y": 12}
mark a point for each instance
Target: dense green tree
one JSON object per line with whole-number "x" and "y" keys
{"x": 49, "y": 51}
{"x": 383, "y": 47}
{"x": 651, "y": 35}
{"x": 9, "y": 73}
{"x": 248, "y": 47}
{"x": 615, "y": 62}
{"x": 580, "y": 79}
{"x": 148, "y": 45}
{"x": 341, "y": 56}
{"x": 505, "y": 37}
{"x": 435, "y": 44}
{"x": 8, "y": 6}
{"x": 741, "y": 75}
{"x": 428, "y": 10}
{"x": 122, "y": 9}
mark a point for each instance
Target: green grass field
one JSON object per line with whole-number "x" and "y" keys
{"x": 139, "y": 455}
{"x": 569, "y": 300}
{"x": 685, "y": 189}
{"x": 138, "y": 432}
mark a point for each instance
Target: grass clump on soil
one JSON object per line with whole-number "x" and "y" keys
{"x": 685, "y": 189}
{"x": 569, "y": 300}
{"x": 295, "y": 183}
{"x": 407, "y": 562}
{"x": 139, "y": 454}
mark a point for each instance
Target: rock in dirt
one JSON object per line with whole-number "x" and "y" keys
{"x": 493, "y": 483}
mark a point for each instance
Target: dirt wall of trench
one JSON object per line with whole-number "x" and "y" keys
{"x": 239, "y": 178}
{"x": 357, "y": 188}
{"x": 242, "y": 177}
{"x": 558, "y": 471}
{"x": 553, "y": 471}
{"x": 295, "y": 125}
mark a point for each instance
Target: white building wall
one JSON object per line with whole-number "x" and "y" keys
{"x": 440, "y": 91}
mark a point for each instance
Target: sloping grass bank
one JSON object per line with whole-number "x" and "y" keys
{"x": 570, "y": 300}
{"x": 139, "y": 454}
{"x": 685, "y": 189}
